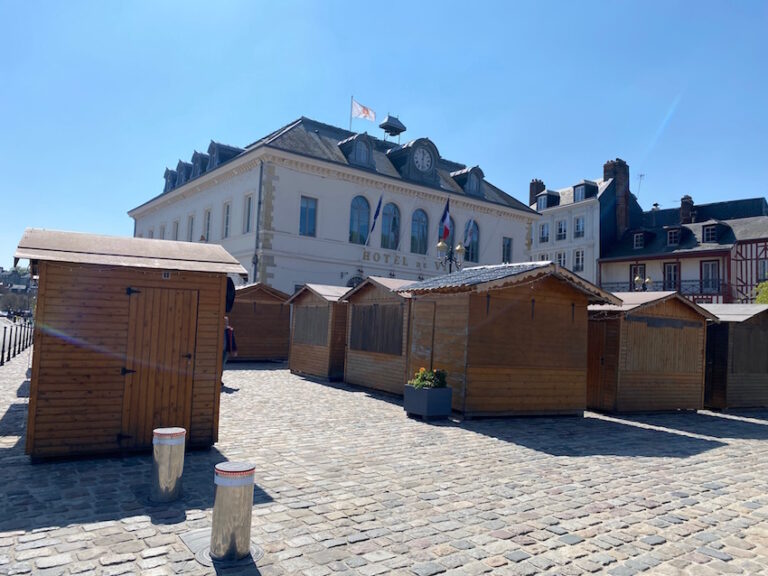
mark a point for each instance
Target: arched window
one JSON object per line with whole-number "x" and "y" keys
{"x": 472, "y": 241}
{"x": 390, "y": 227}
{"x": 359, "y": 218}
{"x": 419, "y": 232}
{"x": 361, "y": 152}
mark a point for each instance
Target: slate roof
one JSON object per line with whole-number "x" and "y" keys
{"x": 315, "y": 139}
{"x": 393, "y": 284}
{"x": 325, "y": 291}
{"x": 502, "y": 275}
{"x": 76, "y": 247}
{"x": 727, "y": 210}
{"x": 735, "y": 312}
{"x": 691, "y": 238}
{"x": 633, "y": 301}
{"x": 566, "y": 194}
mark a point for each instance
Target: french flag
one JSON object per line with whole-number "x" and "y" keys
{"x": 375, "y": 217}
{"x": 445, "y": 222}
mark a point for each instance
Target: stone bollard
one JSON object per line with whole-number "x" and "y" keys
{"x": 232, "y": 508}
{"x": 168, "y": 464}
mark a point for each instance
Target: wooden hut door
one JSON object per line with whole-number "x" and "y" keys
{"x": 159, "y": 363}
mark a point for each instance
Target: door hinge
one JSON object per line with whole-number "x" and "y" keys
{"x": 124, "y": 371}
{"x": 121, "y": 437}
{"x": 130, "y": 291}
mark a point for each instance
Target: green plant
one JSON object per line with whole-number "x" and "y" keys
{"x": 428, "y": 378}
{"x": 762, "y": 293}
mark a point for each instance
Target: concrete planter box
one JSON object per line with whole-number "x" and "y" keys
{"x": 427, "y": 402}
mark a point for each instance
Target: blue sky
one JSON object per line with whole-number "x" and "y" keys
{"x": 97, "y": 98}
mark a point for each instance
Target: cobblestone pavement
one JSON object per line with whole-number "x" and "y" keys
{"x": 346, "y": 484}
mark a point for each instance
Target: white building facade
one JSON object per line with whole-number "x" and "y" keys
{"x": 298, "y": 206}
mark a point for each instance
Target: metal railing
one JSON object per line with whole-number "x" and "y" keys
{"x": 707, "y": 287}
{"x": 14, "y": 340}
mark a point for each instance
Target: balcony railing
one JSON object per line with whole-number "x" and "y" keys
{"x": 716, "y": 290}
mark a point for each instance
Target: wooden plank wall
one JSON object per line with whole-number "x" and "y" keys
{"x": 376, "y": 370}
{"x": 338, "y": 340}
{"x": 311, "y": 359}
{"x": 262, "y": 330}
{"x": 602, "y": 363}
{"x": 76, "y": 394}
{"x": 524, "y": 357}
{"x": 748, "y": 363}
{"x": 662, "y": 367}
{"x": 439, "y": 325}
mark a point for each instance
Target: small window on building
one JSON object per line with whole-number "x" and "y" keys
{"x": 175, "y": 230}
{"x": 578, "y": 193}
{"x": 544, "y": 233}
{"x": 225, "y": 223}
{"x": 162, "y": 232}
{"x": 561, "y": 230}
{"x": 472, "y": 241}
{"x": 578, "y": 227}
{"x": 639, "y": 241}
{"x": 541, "y": 202}
{"x": 206, "y": 226}
{"x": 710, "y": 234}
{"x": 151, "y": 233}
{"x": 361, "y": 153}
{"x": 308, "y": 217}
{"x": 506, "y": 250}
{"x": 191, "y": 229}
{"x": 543, "y": 257}
{"x": 762, "y": 270}
{"x": 390, "y": 227}
{"x": 473, "y": 185}
{"x": 247, "y": 214}
{"x": 561, "y": 260}
{"x": 578, "y": 260}
{"x": 673, "y": 237}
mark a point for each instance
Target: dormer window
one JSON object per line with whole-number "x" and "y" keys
{"x": 579, "y": 193}
{"x": 639, "y": 240}
{"x": 673, "y": 237}
{"x": 541, "y": 203}
{"x": 473, "y": 185}
{"x": 361, "y": 154}
{"x": 710, "y": 233}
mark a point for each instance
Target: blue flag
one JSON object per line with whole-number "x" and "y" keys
{"x": 375, "y": 217}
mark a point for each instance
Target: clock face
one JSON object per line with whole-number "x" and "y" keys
{"x": 423, "y": 159}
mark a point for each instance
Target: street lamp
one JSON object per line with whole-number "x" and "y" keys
{"x": 642, "y": 284}
{"x": 451, "y": 255}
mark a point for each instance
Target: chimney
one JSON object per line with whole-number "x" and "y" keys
{"x": 686, "y": 209}
{"x": 619, "y": 171}
{"x": 536, "y": 187}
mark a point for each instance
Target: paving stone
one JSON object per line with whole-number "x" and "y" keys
{"x": 715, "y": 553}
{"x": 427, "y": 569}
{"x": 654, "y": 540}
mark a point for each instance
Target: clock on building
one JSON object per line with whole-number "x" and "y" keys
{"x": 422, "y": 158}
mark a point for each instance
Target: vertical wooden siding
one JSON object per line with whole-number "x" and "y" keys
{"x": 527, "y": 350}
{"x": 439, "y": 325}
{"x": 661, "y": 364}
{"x": 748, "y": 363}
{"x": 374, "y": 369}
{"x": 81, "y": 340}
{"x": 602, "y": 364}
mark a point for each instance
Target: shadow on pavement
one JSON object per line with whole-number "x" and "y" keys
{"x": 574, "y": 436}
{"x": 23, "y": 391}
{"x": 704, "y": 424}
{"x": 62, "y": 492}
{"x": 235, "y": 365}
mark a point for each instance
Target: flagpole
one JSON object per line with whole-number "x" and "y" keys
{"x": 351, "y": 100}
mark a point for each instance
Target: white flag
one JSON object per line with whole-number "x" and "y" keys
{"x": 360, "y": 111}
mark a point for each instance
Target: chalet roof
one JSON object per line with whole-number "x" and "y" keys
{"x": 482, "y": 278}
{"x": 634, "y": 301}
{"x": 324, "y": 291}
{"x": 77, "y": 247}
{"x": 248, "y": 289}
{"x": 393, "y": 284}
{"x": 735, "y": 312}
